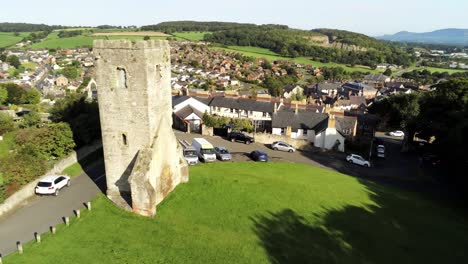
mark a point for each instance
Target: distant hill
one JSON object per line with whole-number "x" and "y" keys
{"x": 325, "y": 45}
{"x": 450, "y": 36}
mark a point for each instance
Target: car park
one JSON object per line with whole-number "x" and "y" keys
{"x": 240, "y": 137}
{"x": 396, "y": 133}
{"x": 258, "y": 155}
{"x": 222, "y": 153}
{"x": 280, "y": 145}
{"x": 356, "y": 159}
{"x": 52, "y": 184}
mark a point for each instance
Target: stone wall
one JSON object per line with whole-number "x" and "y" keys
{"x": 20, "y": 197}
{"x": 266, "y": 138}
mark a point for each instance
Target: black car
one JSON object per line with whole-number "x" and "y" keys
{"x": 239, "y": 136}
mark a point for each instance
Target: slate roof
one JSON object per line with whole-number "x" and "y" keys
{"x": 357, "y": 86}
{"x": 328, "y": 86}
{"x": 357, "y": 100}
{"x": 375, "y": 78}
{"x": 186, "y": 111}
{"x": 302, "y": 120}
{"x": 345, "y": 124}
{"x": 243, "y": 104}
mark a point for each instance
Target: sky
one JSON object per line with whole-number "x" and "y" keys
{"x": 371, "y": 17}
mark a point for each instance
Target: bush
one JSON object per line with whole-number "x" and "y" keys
{"x": 6, "y": 123}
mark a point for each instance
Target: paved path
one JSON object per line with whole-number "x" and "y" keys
{"x": 46, "y": 211}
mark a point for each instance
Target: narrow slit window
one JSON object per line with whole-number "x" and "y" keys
{"x": 158, "y": 73}
{"x": 124, "y": 139}
{"x": 121, "y": 78}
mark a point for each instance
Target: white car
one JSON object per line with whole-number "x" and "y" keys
{"x": 397, "y": 133}
{"x": 279, "y": 145}
{"x": 52, "y": 184}
{"x": 356, "y": 159}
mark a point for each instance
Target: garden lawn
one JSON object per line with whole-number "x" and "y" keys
{"x": 263, "y": 213}
{"x": 270, "y": 55}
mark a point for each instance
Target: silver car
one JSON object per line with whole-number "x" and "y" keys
{"x": 222, "y": 153}
{"x": 280, "y": 145}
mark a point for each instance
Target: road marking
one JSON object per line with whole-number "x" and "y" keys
{"x": 98, "y": 178}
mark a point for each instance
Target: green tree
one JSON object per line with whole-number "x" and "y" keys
{"x": 16, "y": 94}
{"x": 146, "y": 38}
{"x": 3, "y": 57}
{"x": 3, "y": 95}
{"x": 14, "y": 61}
{"x": 32, "y": 119}
{"x": 32, "y": 96}
{"x": 6, "y": 123}
{"x": 71, "y": 72}
{"x": 388, "y": 72}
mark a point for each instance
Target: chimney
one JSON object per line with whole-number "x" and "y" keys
{"x": 331, "y": 121}
{"x": 275, "y": 109}
{"x": 297, "y": 110}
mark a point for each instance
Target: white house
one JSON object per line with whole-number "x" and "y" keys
{"x": 330, "y": 137}
{"x": 289, "y": 90}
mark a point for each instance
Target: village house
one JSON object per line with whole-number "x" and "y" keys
{"x": 290, "y": 90}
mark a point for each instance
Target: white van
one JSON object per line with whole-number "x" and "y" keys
{"x": 191, "y": 155}
{"x": 204, "y": 149}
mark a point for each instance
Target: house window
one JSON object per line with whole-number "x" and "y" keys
{"x": 304, "y": 132}
{"x": 232, "y": 110}
{"x": 265, "y": 114}
{"x": 282, "y": 131}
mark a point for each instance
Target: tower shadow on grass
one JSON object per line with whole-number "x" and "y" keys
{"x": 398, "y": 228}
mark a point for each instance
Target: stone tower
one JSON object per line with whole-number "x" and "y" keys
{"x": 142, "y": 157}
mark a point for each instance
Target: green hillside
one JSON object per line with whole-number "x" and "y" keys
{"x": 263, "y": 213}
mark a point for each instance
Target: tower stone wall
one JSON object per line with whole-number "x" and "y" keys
{"x": 133, "y": 82}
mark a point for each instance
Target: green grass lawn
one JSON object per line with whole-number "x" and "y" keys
{"x": 8, "y": 39}
{"x": 270, "y": 55}
{"x": 264, "y": 213}
{"x": 192, "y": 36}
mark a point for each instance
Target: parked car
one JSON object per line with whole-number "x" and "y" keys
{"x": 397, "y": 133}
{"x": 241, "y": 137}
{"x": 222, "y": 153}
{"x": 380, "y": 151}
{"x": 356, "y": 159}
{"x": 258, "y": 155}
{"x": 279, "y": 145}
{"x": 191, "y": 155}
{"x": 52, "y": 184}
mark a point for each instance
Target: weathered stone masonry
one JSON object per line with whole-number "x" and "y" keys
{"x": 141, "y": 153}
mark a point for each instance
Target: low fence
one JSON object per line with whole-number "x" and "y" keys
{"x": 20, "y": 197}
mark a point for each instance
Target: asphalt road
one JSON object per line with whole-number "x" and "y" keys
{"x": 43, "y": 212}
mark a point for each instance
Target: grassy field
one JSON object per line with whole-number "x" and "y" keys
{"x": 8, "y": 39}
{"x": 433, "y": 69}
{"x": 263, "y": 213}
{"x": 192, "y": 36}
{"x": 267, "y": 54}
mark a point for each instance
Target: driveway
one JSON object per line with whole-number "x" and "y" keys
{"x": 43, "y": 212}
